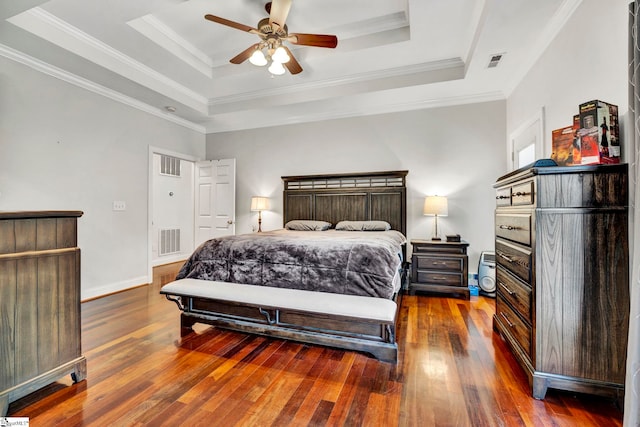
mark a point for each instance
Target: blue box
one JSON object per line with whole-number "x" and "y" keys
{"x": 474, "y": 291}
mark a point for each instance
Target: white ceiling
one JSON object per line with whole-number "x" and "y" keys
{"x": 392, "y": 55}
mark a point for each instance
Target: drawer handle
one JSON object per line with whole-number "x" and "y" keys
{"x": 504, "y": 257}
{"x": 502, "y": 197}
{"x": 439, "y": 278}
{"x": 521, "y": 193}
{"x": 509, "y": 291}
{"x": 508, "y": 227}
{"x": 504, "y": 316}
{"x": 439, "y": 263}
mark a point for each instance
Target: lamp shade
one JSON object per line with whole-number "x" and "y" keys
{"x": 436, "y": 205}
{"x": 259, "y": 203}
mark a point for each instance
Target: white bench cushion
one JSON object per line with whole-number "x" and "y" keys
{"x": 378, "y": 309}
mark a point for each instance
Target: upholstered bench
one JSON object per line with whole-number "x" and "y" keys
{"x": 345, "y": 321}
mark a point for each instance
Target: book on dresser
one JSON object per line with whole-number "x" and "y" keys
{"x": 562, "y": 255}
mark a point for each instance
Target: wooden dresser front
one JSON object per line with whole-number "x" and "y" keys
{"x": 39, "y": 302}
{"x": 561, "y": 244}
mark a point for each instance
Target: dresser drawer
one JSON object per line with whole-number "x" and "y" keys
{"x": 515, "y": 292}
{"x": 439, "y": 278}
{"x": 513, "y": 325}
{"x": 438, "y": 263}
{"x": 503, "y": 197}
{"x": 516, "y": 227}
{"x": 523, "y": 194}
{"x": 515, "y": 259}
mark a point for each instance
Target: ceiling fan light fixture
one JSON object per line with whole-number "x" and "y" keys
{"x": 280, "y": 56}
{"x": 258, "y": 58}
{"x": 276, "y": 68}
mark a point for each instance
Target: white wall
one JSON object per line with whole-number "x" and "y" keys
{"x": 65, "y": 148}
{"x": 587, "y": 60}
{"x": 453, "y": 151}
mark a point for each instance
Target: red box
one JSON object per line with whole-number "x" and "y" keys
{"x": 599, "y": 120}
{"x": 589, "y": 146}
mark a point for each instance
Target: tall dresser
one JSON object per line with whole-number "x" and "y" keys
{"x": 561, "y": 243}
{"x": 39, "y": 302}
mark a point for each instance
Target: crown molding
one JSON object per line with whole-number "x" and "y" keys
{"x": 445, "y": 64}
{"x": 83, "y": 83}
{"x": 353, "y": 111}
{"x": 43, "y": 24}
{"x": 161, "y": 34}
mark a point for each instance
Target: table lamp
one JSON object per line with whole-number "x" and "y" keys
{"x": 436, "y": 206}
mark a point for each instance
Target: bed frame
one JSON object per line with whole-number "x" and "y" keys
{"x": 335, "y": 197}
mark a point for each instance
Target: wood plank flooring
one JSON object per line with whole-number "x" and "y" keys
{"x": 453, "y": 370}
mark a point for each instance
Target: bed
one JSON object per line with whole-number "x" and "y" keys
{"x": 333, "y": 276}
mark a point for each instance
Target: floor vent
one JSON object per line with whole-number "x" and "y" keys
{"x": 169, "y": 241}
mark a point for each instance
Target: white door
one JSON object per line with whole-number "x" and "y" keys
{"x": 172, "y": 217}
{"x": 215, "y": 199}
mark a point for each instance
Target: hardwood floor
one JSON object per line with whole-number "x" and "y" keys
{"x": 453, "y": 370}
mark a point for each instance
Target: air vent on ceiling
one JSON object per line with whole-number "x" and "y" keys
{"x": 495, "y": 60}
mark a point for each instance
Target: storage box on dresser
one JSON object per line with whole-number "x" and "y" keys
{"x": 39, "y": 302}
{"x": 561, "y": 243}
{"x": 438, "y": 266}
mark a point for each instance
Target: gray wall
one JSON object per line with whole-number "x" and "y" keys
{"x": 587, "y": 60}
{"x": 453, "y": 151}
{"x": 63, "y": 147}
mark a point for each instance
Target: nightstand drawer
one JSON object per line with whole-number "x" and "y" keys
{"x": 513, "y": 325}
{"x": 437, "y": 263}
{"x": 515, "y": 259}
{"x": 515, "y": 292}
{"x": 516, "y": 227}
{"x": 439, "y": 278}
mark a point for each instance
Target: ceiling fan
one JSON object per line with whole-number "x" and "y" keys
{"x": 273, "y": 32}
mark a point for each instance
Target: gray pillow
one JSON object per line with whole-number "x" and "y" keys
{"x": 363, "y": 226}
{"x": 307, "y": 225}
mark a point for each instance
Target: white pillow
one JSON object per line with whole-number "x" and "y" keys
{"x": 307, "y": 225}
{"x": 363, "y": 226}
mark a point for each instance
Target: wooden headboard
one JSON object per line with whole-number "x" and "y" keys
{"x": 354, "y": 197}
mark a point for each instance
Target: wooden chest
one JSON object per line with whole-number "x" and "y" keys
{"x": 561, "y": 243}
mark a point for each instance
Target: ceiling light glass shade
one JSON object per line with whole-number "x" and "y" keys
{"x": 280, "y": 55}
{"x": 257, "y": 58}
{"x": 276, "y": 68}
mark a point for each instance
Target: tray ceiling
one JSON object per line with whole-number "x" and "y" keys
{"x": 392, "y": 55}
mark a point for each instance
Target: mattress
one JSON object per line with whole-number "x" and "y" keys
{"x": 364, "y": 263}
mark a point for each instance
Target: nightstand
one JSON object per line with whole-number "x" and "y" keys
{"x": 438, "y": 266}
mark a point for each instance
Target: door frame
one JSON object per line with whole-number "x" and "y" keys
{"x": 530, "y": 132}
{"x": 157, "y": 150}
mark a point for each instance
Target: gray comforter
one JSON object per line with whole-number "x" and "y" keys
{"x": 347, "y": 262}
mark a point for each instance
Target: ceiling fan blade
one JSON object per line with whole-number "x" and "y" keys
{"x": 292, "y": 65}
{"x": 231, "y": 24}
{"x": 279, "y": 12}
{"x": 318, "y": 40}
{"x": 244, "y": 55}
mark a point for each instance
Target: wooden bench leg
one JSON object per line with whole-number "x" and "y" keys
{"x": 186, "y": 324}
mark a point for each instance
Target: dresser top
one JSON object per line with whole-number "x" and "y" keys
{"x": 529, "y": 171}
{"x": 38, "y": 214}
